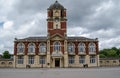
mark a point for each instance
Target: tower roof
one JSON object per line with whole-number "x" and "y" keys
{"x": 56, "y": 5}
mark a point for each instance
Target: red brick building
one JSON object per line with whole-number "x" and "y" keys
{"x": 56, "y": 49}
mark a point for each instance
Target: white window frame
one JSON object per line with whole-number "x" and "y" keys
{"x": 42, "y": 48}
{"x": 81, "y": 47}
{"x": 82, "y": 59}
{"x": 42, "y": 59}
{"x": 20, "y": 60}
{"x": 31, "y": 48}
{"x": 71, "y": 59}
{"x": 92, "y": 47}
{"x": 31, "y": 59}
{"x": 71, "y": 48}
{"x": 20, "y": 47}
{"x": 92, "y": 59}
{"x": 56, "y": 46}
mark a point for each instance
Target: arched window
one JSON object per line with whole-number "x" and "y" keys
{"x": 71, "y": 47}
{"x": 20, "y": 47}
{"x": 57, "y": 46}
{"x": 31, "y": 47}
{"x": 81, "y": 47}
{"x": 92, "y": 47}
{"x": 42, "y": 47}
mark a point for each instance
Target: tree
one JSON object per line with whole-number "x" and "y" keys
{"x": 118, "y": 52}
{"x": 6, "y": 55}
{"x": 102, "y": 56}
{"x": 110, "y": 52}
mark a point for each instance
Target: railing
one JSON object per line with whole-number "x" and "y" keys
{"x": 92, "y": 53}
{"x": 31, "y": 53}
{"x": 20, "y": 53}
{"x": 42, "y": 53}
{"x": 71, "y": 53}
{"x": 82, "y": 53}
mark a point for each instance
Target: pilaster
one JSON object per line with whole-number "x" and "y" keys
{"x": 97, "y": 60}
{"x": 25, "y": 60}
{"x": 36, "y": 60}
{"x": 76, "y": 60}
{"x": 48, "y": 53}
{"x": 87, "y": 60}
{"x": 65, "y": 54}
{"x": 14, "y": 63}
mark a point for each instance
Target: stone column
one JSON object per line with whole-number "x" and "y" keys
{"x": 25, "y": 60}
{"x": 48, "y": 54}
{"x": 53, "y": 62}
{"x": 15, "y": 60}
{"x": 76, "y": 61}
{"x": 65, "y": 54}
{"x": 36, "y": 60}
{"x": 87, "y": 60}
{"x": 60, "y": 62}
{"x": 97, "y": 60}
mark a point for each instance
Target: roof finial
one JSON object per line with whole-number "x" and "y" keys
{"x": 56, "y": 1}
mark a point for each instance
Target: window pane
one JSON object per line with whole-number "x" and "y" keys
{"x": 31, "y": 48}
{"x": 71, "y": 47}
{"x": 20, "y": 47}
{"x": 92, "y": 47}
{"x": 20, "y": 59}
{"x": 56, "y": 46}
{"x": 92, "y": 59}
{"x": 82, "y": 59}
{"x": 42, "y": 48}
{"x": 30, "y": 59}
{"x": 81, "y": 47}
{"x": 71, "y": 59}
{"x": 42, "y": 60}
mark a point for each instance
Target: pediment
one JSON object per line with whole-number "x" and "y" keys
{"x": 57, "y": 37}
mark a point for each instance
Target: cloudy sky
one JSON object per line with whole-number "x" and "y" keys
{"x": 88, "y": 18}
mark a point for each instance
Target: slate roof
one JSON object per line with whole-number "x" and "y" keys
{"x": 32, "y": 39}
{"x": 79, "y": 38}
{"x": 43, "y": 38}
{"x": 56, "y": 5}
{"x": 35, "y": 38}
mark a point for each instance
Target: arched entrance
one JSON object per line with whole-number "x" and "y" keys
{"x": 57, "y": 62}
{"x": 57, "y": 59}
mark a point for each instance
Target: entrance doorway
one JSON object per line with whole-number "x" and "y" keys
{"x": 57, "y": 62}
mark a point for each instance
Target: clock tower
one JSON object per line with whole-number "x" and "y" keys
{"x": 56, "y": 49}
{"x": 56, "y": 20}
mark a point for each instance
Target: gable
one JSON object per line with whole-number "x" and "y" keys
{"x": 57, "y": 37}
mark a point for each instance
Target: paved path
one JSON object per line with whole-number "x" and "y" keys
{"x": 113, "y": 72}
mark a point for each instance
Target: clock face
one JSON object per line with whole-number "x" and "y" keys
{"x": 56, "y": 20}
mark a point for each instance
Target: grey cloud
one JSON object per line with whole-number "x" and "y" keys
{"x": 81, "y": 14}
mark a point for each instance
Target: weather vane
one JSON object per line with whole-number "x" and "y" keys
{"x": 56, "y": 0}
